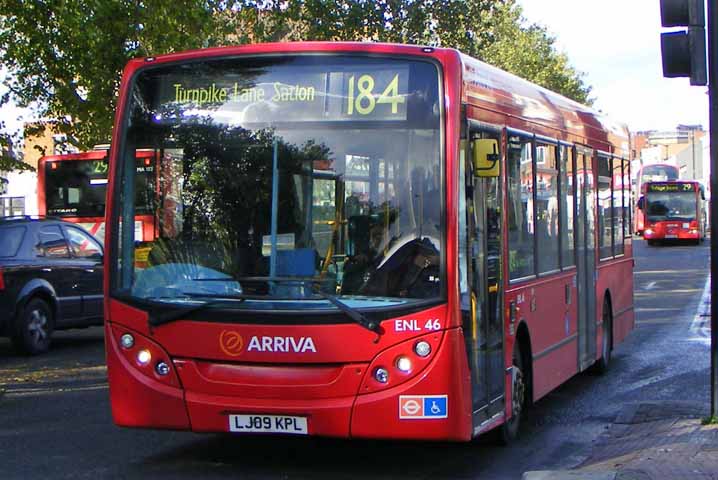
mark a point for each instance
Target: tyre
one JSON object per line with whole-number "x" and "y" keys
{"x": 33, "y": 327}
{"x": 651, "y": 243}
{"x": 509, "y": 430}
{"x": 602, "y": 364}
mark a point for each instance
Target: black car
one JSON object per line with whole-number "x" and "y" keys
{"x": 50, "y": 279}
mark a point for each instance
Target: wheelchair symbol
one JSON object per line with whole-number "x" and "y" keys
{"x": 435, "y": 409}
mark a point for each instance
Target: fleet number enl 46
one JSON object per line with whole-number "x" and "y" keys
{"x": 414, "y": 325}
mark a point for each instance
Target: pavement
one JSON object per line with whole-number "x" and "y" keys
{"x": 649, "y": 441}
{"x": 652, "y": 440}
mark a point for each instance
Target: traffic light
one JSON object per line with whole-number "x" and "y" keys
{"x": 684, "y": 51}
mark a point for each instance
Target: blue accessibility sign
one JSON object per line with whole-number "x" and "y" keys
{"x": 435, "y": 406}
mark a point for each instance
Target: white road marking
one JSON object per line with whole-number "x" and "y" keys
{"x": 650, "y": 286}
{"x": 700, "y": 326}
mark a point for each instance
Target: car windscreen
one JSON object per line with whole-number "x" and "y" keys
{"x": 10, "y": 240}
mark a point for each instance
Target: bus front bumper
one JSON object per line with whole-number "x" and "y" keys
{"x": 659, "y": 233}
{"x": 433, "y": 405}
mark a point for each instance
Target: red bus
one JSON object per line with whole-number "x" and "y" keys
{"x": 674, "y": 211}
{"x": 73, "y": 187}
{"x": 658, "y": 172}
{"x": 360, "y": 240}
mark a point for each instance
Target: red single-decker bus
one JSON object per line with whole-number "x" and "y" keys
{"x": 658, "y": 172}
{"x": 359, "y": 240}
{"x": 674, "y": 211}
{"x": 73, "y": 187}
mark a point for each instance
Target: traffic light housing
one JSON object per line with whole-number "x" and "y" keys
{"x": 684, "y": 51}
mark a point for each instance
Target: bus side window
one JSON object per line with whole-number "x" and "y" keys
{"x": 521, "y": 207}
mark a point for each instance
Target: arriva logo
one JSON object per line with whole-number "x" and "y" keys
{"x": 282, "y": 344}
{"x": 231, "y": 342}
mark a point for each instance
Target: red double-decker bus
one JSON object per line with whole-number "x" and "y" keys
{"x": 359, "y": 240}
{"x": 659, "y": 172}
{"x": 674, "y": 211}
{"x": 73, "y": 187}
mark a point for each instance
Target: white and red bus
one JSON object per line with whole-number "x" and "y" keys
{"x": 359, "y": 240}
{"x": 658, "y": 172}
{"x": 674, "y": 211}
{"x": 73, "y": 187}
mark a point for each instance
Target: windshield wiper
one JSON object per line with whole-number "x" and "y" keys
{"x": 350, "y": 312}
{"x": 156, "y": 319}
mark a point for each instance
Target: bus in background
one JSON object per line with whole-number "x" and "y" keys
{"x": 359, "y": 240}
{"x": 674, "y": 211}
{"x": 73, "y": 187}
{"x": 658, "y": 172}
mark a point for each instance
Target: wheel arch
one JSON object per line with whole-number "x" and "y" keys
{"x": 38, "y": 288}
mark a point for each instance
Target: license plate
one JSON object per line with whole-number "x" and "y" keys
{"x": 268, "y": 424}
{"x": 671, "y": 236}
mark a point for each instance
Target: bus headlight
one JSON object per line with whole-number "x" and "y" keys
{"x": 381, "y": 375}
{"x": 144, "y": 357}
{"x": 422, "y": 348}
{"x": 162, "y": 368}
{"x": 403, "y": 364}
{"x": 127, "y": 341}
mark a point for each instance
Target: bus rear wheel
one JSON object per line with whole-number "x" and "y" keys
{"x": 602, "y": 364}
{"x": 509, "y": 430}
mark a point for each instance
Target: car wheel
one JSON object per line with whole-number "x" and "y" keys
{"x": 33, "y": 327}
{"x": 509, "y": 430}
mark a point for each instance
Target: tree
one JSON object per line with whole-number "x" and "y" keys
{"x": 7, "y": 161}
{"x": 530, "y": 52}
{"x": 66, "y": 56}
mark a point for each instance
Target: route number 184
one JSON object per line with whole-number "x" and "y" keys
{"x": 362, "y": 99}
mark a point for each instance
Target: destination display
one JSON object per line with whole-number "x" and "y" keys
{"x": 670, "y": 187}
{"x": 285, "y": 94}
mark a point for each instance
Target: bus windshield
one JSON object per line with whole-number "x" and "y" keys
{"x": 287, "y": 179}
{"x": 671, "y": 206}
{"x": 76, "y": 188}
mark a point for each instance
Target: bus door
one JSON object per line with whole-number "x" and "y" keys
{"x": 586, "y": 257}
{"x": 482, "y": 290}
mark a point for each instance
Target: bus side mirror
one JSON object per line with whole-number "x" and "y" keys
{"x": 486, "y": 157}
{"x": 641, "y": 203}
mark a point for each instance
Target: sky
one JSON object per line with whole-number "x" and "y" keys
{"x": 616, "y": 43}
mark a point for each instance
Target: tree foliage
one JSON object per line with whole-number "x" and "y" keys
{"x": 65, "y": 57}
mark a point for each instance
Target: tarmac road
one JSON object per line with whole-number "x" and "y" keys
{"x": 55, "y": 420}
